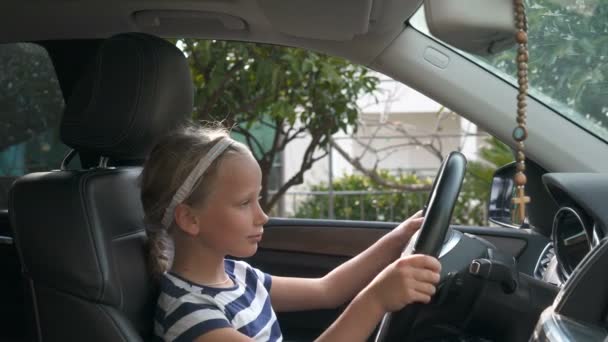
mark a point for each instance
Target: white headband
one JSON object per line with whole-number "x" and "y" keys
{"x": 186, "y": 188}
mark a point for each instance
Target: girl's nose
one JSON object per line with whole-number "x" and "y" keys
{"x": 262, "y": 218}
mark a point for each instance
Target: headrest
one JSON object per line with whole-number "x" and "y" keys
{"x": 137, "y": 88}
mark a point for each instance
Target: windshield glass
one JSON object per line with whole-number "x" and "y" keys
{"x": 568, "y": 42}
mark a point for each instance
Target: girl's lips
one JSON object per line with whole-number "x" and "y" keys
{"x": 256, "y": 237}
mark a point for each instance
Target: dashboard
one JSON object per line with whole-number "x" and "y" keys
{"x": 578, "y": 225}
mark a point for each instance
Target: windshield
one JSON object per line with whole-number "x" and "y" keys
{"x": 568, "y": 59}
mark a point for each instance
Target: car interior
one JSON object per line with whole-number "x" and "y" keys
{"x": 72, "y": 239}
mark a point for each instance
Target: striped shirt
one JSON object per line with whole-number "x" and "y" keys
{"x": 186, "y": 310}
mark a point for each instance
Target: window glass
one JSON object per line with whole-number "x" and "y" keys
{"x": 31, "y": 104}
{"x": 568, "y": 63}
{"x": 284, "y": 102}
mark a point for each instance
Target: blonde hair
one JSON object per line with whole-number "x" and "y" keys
{"x": 168, "y": 165}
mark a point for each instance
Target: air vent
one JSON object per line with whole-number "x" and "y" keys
{"x": 543, "y": 262}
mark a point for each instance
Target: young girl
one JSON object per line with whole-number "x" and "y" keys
{"x": 200, "y": 193}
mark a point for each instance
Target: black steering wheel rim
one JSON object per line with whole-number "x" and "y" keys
{"x": 438, "y": 213}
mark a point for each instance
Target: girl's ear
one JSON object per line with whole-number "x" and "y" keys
{"x": 186, "y": 219}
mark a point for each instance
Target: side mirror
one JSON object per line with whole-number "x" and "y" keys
{"x": 500, "y": 206}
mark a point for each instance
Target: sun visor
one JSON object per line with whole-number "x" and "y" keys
{"x": 337, "y": 20}
{"x": 481, "y": 27}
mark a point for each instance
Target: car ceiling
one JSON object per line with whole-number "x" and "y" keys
{"x": 356, "y": 29}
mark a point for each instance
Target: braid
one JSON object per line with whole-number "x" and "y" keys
{"x": 160, "y": 251}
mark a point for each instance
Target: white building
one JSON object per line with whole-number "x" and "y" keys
{"x": 401, "y": 118}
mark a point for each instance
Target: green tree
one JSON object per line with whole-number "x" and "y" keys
{"x": 292, "y": 92}
{"x": 568, "y": 44}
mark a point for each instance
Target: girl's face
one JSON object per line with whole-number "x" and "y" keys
{"x": 231, "y": 220}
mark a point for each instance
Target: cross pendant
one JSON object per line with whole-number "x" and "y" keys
{"x": 520, "y": 200}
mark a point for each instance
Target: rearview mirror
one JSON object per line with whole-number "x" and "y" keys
{"x": 467, "y": 24}
{"x": 500, "y": 206}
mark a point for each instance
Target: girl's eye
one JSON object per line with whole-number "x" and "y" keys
{"x": 249, "y": 201}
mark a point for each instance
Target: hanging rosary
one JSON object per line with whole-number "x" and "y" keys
{"x": 520, "y": 133}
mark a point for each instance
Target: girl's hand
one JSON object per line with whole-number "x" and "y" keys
{"x": 407, "y": 280}
{"x": 407, "y": 228}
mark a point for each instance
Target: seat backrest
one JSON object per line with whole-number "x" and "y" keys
{"x": 80, "y": 233}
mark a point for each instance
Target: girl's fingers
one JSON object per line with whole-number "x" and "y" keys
{"x": 425, "y": 288}
{"x": 418, "y": 214}
{"x": 427, "y": 276}
{"x": 420, "y": 297}
{"x": 424, "y": 261}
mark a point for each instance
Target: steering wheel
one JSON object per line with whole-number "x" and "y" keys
{"x": 431, "y": 235}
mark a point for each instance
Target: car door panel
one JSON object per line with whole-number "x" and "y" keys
{"x": 312, "y": 248}
{"x": 324, "y": 240}
{"x": 301, "y": 241}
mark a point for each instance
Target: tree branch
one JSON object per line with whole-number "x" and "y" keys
{"x": 197, "y": 62}
{"x": 429, "y": 147}
{"x": 373, "y": 174}
{"x": 298, "y": 178}
{"x": 218, "y": 91}
{"x": 288, "y": 138}
{"x": 248, "y": 107}
{"x": 250, "y": 138}
{"x": 367, "y": 146}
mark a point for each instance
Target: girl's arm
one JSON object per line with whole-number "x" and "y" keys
{"x": 225, "y": 334}
{"x": 407, "y": 280}
{"x": 348, "y": 279}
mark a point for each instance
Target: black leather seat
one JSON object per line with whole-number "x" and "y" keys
{"x": 80, "y": 233}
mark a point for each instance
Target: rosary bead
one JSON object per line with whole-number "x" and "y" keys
{"x": 524, "y": 87}
{"x": 521, "y": 37}
{"x": 520, "y": 179}
{"x": 522, "y": 57}
{"x": 522, "y": 50}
